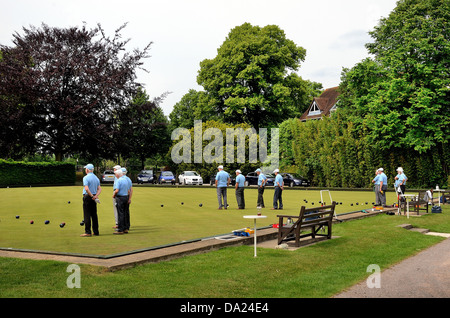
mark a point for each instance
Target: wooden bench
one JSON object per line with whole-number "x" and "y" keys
{"x": 445, "y": 196}
{"x": 419, "y": 203}
{"x": 313, "y": 219}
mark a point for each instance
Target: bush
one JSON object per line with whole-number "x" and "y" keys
{"x": 16, "y": 173}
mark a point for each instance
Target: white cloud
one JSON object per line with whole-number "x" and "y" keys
{"x": 186, "y": 32}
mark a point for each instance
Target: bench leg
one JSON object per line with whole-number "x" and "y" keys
{"x": 297, "y": 236}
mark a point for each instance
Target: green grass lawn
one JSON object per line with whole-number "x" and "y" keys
{"x": 320, "y": 270}
{"x": 151, "y": 224}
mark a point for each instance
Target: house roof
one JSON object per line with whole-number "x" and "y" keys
{"x": 324, "y": 102}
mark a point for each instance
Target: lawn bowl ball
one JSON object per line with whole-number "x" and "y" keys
{"x": 62, "y": 225}
{"x": 31, "y": 222}
{"x": 182, "y": 203}
{"x": 17, "y": 216}
{"x": 82, "y": 223}
{"x": 200, "y": 205}
{"x": 351, "y": 204}
{"x": 68, "y": 202}
{"x": 162, "y": 205}
{"x": 47, "y": 222}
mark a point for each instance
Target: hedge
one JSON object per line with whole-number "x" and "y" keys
{"x": 20, "y": 173}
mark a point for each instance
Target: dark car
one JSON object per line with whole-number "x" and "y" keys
{"x": 292, "y": 180}
{"x": 212, "y": 180}
{"x": 166, "y": 177}
{"x": 146, "y": 176}
{"x": 252, "y": 179}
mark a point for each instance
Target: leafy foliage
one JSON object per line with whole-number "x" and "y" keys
{"x": 60, "y": 88}
{"x": 252, "y": 79}
{"x": 402, "y": 96}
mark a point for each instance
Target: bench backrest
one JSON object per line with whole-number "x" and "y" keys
{"x": 316, "y": 215}
{"x": 422, "y": 196}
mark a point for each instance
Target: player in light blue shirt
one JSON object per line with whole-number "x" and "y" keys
{"x": 130, "y": 194}
{"x": 121, "y": 194}
{"x": 262, "y": 179}
{"x": 382, "y": 187}
{"x": 91, "y": 191}
{"x": 240, "y": 183}
{"x": 400, "y": 183}
{"x": 222, "y": 181}
{"x": 277, "y": 196}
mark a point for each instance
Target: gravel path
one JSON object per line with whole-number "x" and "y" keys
{"x": 425, "y": 275}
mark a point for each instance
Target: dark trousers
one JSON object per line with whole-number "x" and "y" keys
{"x": 122, "y": 213}
{"x": 240, "y": 197}
{"x": 260, "y": 201}
{"x": 277, "y": 198}
{"x": 90, "y": 215}
{"x": 222, "y": 193}
{"x": 403, "y": 188}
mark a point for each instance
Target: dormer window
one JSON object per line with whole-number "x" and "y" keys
{"x": 314, "y": 110}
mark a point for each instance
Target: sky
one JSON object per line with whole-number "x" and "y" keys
{"x": 185, "y": 32}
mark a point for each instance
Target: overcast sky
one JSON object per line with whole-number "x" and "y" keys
{"x": 185, "y": 32}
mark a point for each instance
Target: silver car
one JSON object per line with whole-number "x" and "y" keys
{"x": 108, "y": 176}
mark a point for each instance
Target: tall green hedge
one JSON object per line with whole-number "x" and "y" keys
{"x": 332, "y": 153}
{"x": 19, "y": 173}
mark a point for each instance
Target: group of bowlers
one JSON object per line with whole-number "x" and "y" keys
{"x": 222, "y": 181}
{"x": 122, "y": 193}
{"x": 381, "y": 185}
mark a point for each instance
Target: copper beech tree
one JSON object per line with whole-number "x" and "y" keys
{"x": 62, "y": 88}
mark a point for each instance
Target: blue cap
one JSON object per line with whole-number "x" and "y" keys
{"x": 258, "y": 170}
{"x": 89, "y": 166}
{"x": 124, "y": 170}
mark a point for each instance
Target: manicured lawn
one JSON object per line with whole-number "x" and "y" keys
{"x": 181, "y": 218}
{"x": 321, "y": 270}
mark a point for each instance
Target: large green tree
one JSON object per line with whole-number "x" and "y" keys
{"x": 252, "y": 79}
{"x": 402, "y": 95}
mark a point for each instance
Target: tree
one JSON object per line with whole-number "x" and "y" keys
{"x": 404, "y": 96}
{"x": 64, "y": 85}
{"x": 142, "y": 129}
{"x": 252, "y": 78}
{"x": 195, "y": 105}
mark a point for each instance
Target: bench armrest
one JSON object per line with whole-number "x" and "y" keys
{"x": 288, "y": 216}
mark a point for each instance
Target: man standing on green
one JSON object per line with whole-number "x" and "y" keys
{"x": 240, "y": 183}
{"x": 262, "y": 179}
{"x": 222, "y": 182}
{"x": 91, "y": 191}
{"x": 277, "y": 196}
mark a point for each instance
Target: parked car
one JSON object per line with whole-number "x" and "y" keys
{"x": 293, "y": 180}
{"x": 190, "y": 177}
{"x": 146, "y": 176}
{"x": 212, "y": 180}
{"x": 252, "y": 179}
{"x": 166, "y": 177}
{"x": 108, "y": 176}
